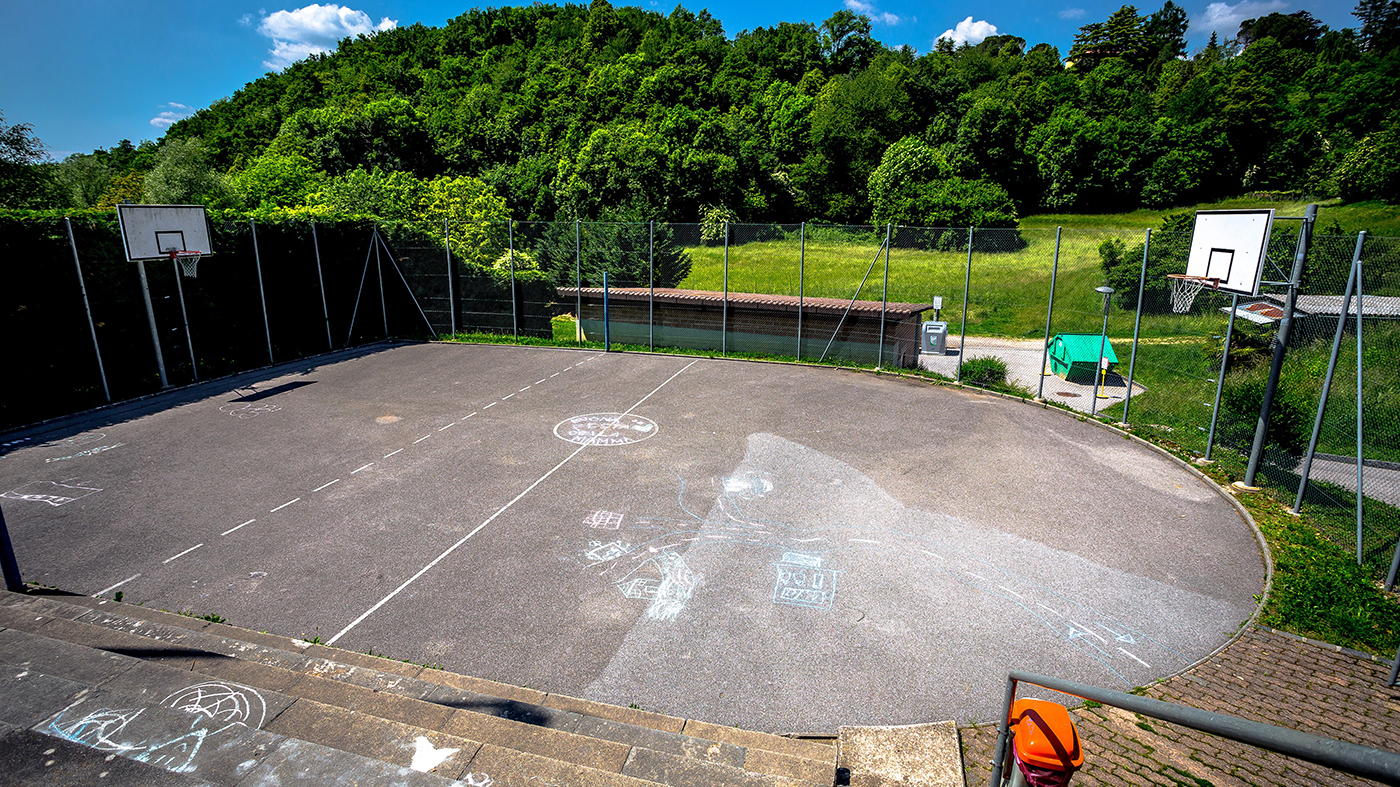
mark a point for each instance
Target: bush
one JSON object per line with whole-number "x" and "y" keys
{"x": 984, "y": 371}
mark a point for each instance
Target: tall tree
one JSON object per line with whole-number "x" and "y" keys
{"x": 1380, "y": 24}
{"x": 22, "y": 183}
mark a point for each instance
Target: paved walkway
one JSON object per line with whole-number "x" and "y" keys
{"x": 1024, "y": 365}
{"x": 1264, "y": 676}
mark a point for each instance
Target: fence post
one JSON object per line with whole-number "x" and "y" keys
{"x": 607, "y": 340}
{"x": 1049, "y": 315}
{"x": 967, "y": 283}
{"x": 578, "y": 285}
{"x": 185, "y": 317}
{"x": 151, "y": 319}
{"x": 1327, "y": 379}
{"x": 320, "y": 280}
{"x": 1137, "y": 325}
{"x": 510, "y": 249}
{"x": 379, "y": 272}
{"x": 262, "y": 296}
{"x": 87, "y": 307}
{"x": 451, "y": 297}
{"x": 1360, "y": 497}
{"x": 724, "y": 307}
{"x": 801, "y": 281}
{"x": 651, "y": 285}
{"x": 884, "y": 299}
{"x": 1220, "y": 378}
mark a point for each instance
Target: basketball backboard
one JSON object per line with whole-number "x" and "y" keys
{"x": 152, "y": 232}
{"x": 1231, "y": 245}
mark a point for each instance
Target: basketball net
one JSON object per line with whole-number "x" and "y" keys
{"x": 1185, "y": 288}
{"x": 188, "y": 260}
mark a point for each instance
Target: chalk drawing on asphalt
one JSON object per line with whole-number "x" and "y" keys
{"x": 605, "y": 429}
{"x": 426, "y": 756}
{"x": 90, "y": 452}
{"x": 75, "y": 440}
{"x": 802, "y": 582}
{"x": 55, "y": 493}
{"x": 603, "y": 520}
{"x": 248, "y": 409}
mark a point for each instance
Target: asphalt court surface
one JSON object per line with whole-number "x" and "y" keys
{"x": 779, "y": 547}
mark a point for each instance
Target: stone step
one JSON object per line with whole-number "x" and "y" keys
{"x": 36, "y": 760}
{"x": 372, "y": 712}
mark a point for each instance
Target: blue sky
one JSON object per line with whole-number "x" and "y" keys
{"x": 87, "y": 73}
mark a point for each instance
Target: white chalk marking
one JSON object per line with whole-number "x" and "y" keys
{"x": 421, "y": 439}
{"x": 978, "y": 576}
{"x": 284, "y": 505}
{"x": 186, "y": 552}
{"x": 805, "y": 540}
{"x": 426, "y": 756}
{"x": 1087, "y": 630}
{"x": 1135, "y": 658}
{"x": 863, "y": 541}
{"x": 1009, "y": 590}
{"x": 931, "y": 554}
{"x": 537, "y": 382}
{"x": 449, "y": 426}
{"x": 489, "y": 406}
{"x": 507, "y": 396}
{"x": 230, "y": 530}
{"x": 1051, "y": 609}
{"x": 119, "y": 584}
{"x": 492, "y": 518}
{"x": 323, "y": 486}
{"x": 391, "y": 453}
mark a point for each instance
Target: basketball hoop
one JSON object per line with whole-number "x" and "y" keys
{"x": 188, "y": 260}
{"x": 1185, "y": 288}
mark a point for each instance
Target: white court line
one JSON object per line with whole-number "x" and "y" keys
{"x": 230, "y": 530}
{"x": 507, "y": 396}
{"x": 930, "y": 554}
{"x": 289, "y": 502}
{"x": 419, "y": 440}
{"x": 499, "y": 511}
{"x": 556, "y": 374}
{"x": 979, "y": 576}
{"x": 523, "y": 390}
{"x": 362, "y": 467}
{"x": 493, "y": 404}
{"x": 186, "y": 552}
{"x": 537, "y": 382}
{"x": 449, "y": 426}
{"x": 1135, "y": 658}
{"x": 391, "y": 453}
{"x": 323, "y": 486}
{"x": 119, "y": 584}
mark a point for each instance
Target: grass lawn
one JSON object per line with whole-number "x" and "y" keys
{"x": 1377, "y": 218}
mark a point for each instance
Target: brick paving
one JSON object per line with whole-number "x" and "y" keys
{"x": 1263, "y": 676}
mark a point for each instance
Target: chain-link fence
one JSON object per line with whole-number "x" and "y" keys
{"x": 1079, "y": 317}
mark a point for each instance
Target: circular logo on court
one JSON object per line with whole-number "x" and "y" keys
{"x": 605, "y": 429}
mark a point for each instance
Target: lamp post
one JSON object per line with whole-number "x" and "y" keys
{"x": 1103, "y": 340}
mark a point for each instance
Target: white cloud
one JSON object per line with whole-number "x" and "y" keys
{"x": 875, "y": 14}
{"x": 970, "y": 32}
{"x": 1225, "y": 19}
{"x": 314, "y": 28}
{"x": 172, "y": 113}
{"x": 246, "y": 20}
{"x": 1073, "y": 13}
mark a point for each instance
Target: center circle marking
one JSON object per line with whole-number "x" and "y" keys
{"x": 605, "y": 429}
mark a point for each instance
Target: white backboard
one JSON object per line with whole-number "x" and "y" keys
{"x": 150, "y": 232}
{"x": 1231, "y": 245}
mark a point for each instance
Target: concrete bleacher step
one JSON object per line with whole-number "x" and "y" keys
{"x": 323, "y": 705}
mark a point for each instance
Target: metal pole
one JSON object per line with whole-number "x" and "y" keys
{"x": 967, "y": 282}
{"x": 316, "y": 244}
{"x": 1049, "y": 313}
{"x": 578, "y": 285}
{"x": 1099, "y": 371}
{"x": 379, "y": 272}
{"x": 514, "y": 312}
{"x": 1003, "y": 733}
{"x": 451, "y": 298}
{"x": 185, "y": 317}
{"x": 1137, "y": 325}
{"x": 10, "y": 566}
{"x": 651, "y": 285}
{"x": 364, "y": 274}
{"x": 1360, "y": 313}
{"x": 607, "y": 341}
{"x": 1327, "y": 379}
{"x": 151, "y": 319}
{"x": 1395, "y": 665}
{"x": 82, "y": 287}
{"x": 1280, "y": 348}
{"x": 724, "y": 306}
{"x": 884, "y": 299}
{"x": 1220, "y": 378}
{"x": 262, "y": 296}
{"x": 801, "y": 281}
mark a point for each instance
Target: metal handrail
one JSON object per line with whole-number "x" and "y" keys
{"x": 1358, "y": 760}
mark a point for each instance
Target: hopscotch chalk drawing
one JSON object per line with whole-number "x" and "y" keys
{"x": 90, "y": 452}
{"x": 802, "y": 582}
{"x": 248, "y": 409}
{"x": 605, "y": 429}
{"x": 55, "y": 493}
{"x": 216, "y": 707}
{"x": 603, "y": 520}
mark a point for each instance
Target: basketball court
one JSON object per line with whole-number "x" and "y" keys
{"x": 779, "y": 547}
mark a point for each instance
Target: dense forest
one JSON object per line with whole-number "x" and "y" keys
{"x": 615, "y": 113}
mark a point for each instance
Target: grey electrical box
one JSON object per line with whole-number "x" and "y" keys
{"x": 935, "y": 338}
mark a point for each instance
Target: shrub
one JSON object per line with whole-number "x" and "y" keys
{"x": 984, "y": 371}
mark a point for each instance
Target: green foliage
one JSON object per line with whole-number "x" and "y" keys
{"x": 184, "y": 175}
{"x": 913, "y": 187}
{"x": 984, "y": 370}
{"x": 1122, "y": 265}
{"x": 276, "y": 181}
{"x": 23, "y": 184}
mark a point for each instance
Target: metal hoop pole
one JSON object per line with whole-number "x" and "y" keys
{"x": 1137, "y": 325}
{"x": 1049, "y": 314}
{"x": 87, "y": 307}
{"x": 578, "y": 285}
{"x": 184, "y": 316}
{"x": 967, "y": 283}
{"x": 262, "y": 295}
{"x": 1360, "y": 462}
{"x": 151, "y": 319}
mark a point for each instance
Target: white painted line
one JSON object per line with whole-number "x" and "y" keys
{"x": 493, "y": 404}
{"x": 556, "y": 374}
{"x": 931, "y": 554}
{"x": 230, "y": 530}
{"x": 1009, "y": 590}
{"x": 415, "y": 442}
{"x": 468, "y": 416}
{"x": 523, "y": 390}
{"x": 119, "y": 584}
{"x": 323, "y": 486}
{"x": 1087, "y": 630}
{"x": 499, "y": 511}
{"x": 507, "y": 396}
{"x": 1135, "y": 658}
{"x": 186, "y": 552}
{"x": 391, "y": 453}
{"x": 863, "y": 541}
{"x": 362, "y": 467}
{"x": 537, "y": 382}
{"x": 449, "y": 426}
{"x": 289, "y": 502}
